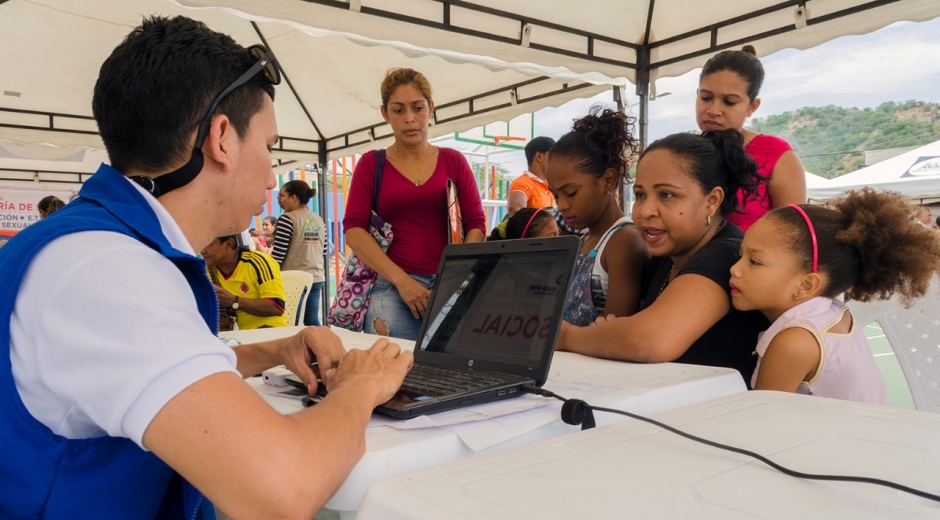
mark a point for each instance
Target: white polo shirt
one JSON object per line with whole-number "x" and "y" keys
{"x": 105, "y": 331}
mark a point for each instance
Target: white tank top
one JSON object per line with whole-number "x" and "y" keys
{"x": 847, "y": 368}
{"x": 600, "y": 281}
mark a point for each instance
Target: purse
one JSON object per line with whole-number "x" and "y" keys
{"x": 354, "y": 287}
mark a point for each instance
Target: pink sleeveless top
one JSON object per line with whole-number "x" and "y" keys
{"x": 847, "y": 369}
{"x": 766, "y": 150}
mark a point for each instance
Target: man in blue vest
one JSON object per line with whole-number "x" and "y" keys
{"x": 116, "y": 398}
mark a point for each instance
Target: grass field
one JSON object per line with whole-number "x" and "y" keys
{"x": 898, "y": 391}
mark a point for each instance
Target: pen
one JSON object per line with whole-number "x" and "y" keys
{"x": 308, "y": 402}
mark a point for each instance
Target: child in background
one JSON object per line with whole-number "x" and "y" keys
{"x": 266, "y": 239}
{"x": 797, "y": 259}
{"x": 526, "y": 223}
{"x": 564, "y": 227}
{"x": 586, "y": 169}
{"x": 49, "y": 205}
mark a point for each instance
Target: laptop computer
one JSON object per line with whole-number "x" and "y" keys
{"x": 491, "y": 325}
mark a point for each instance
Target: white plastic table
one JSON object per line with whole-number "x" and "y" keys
{"x": 635, "y": 470}
{"x": 391, "y": 451}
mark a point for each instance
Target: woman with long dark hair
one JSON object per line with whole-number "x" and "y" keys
{"x": 685, "y": 187}
{"x": 726, "y": 97}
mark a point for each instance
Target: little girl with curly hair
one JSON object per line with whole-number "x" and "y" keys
{"x": 797, "y": 259}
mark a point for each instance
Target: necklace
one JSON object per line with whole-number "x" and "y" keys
{"x": 721, "y": 226}
{"x": 427, "y": 156}
{"x": 666, "y": 282}
{"x": 672, "y": 270}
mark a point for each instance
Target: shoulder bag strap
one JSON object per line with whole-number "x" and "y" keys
{"x": 379, "y": 156}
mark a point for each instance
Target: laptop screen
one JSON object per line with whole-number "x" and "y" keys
{"x": 498, "y": 307}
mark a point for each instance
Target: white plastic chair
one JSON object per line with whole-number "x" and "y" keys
{"x": 914, "y": 335}
{"x": 297, "y": 285}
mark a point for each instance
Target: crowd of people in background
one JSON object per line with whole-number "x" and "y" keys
{"x": 571, "y": 186}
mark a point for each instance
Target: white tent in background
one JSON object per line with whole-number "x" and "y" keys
{"x": 489, "y": 60}
{"x": 915, "y": 174}
{"x": 47, "y": 166}
{"x": 814, "y": 181}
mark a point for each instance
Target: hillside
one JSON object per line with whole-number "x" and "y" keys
{"x": 831, "y": 140}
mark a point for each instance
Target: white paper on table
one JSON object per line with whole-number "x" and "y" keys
{"x": 484, "y": 434}
{"x": 483, "y": 426}
{"x": 377, "y": 421}
{"x": 288, "y": 397}
{"x": 592, "y": 393}
{"x": 289, "y": 401}
{"x": 480, "y": 412}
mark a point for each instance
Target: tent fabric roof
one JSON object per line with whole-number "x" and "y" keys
{"x": 915, "y": 173}
{"x": 488, "y": 60}
{"x": 333, "y": 93}
{"x": 604, "y": 37}
{"x": 815, "y": 181}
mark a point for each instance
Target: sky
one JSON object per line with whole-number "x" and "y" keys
{"x": 898, "y": 63}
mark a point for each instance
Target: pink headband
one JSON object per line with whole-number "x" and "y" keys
{"x": 526, "y": 228}
{"x": 812, "y": 234}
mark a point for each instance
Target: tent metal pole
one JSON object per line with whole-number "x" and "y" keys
{"x": 644, "y": 115}
{"x": 642, "y": 90}
{"x": 321, "y": 192}
{"x": 621, "y": 107}
{"x": 290, "y": 85}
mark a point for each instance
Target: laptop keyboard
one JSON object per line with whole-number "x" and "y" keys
{"x": 438, "y": 381}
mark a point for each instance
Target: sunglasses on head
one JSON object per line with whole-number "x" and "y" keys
{"x": 267, "y": 64}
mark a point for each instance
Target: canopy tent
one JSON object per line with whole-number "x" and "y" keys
{"x": 488, "y": 60}
{"x": 814, "y": 181}
{"x": 915, "y": 173}
{"x": 639, "y": 40}
{"x": 327, "y": 107}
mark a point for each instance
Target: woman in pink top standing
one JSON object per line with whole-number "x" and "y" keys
{"x": 412, "y": 198}
{"x": 727, "y": 96}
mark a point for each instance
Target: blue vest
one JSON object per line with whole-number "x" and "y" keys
{"x": 44, "y": 475}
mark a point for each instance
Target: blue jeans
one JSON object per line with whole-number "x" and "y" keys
{"x": 386, "y": 304}
{"x": 312, "y": 313}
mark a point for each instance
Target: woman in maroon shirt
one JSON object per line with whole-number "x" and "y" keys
{"x": 412, "y": 198}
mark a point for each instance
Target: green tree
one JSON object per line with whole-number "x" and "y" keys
{"x": 831, "y": 140}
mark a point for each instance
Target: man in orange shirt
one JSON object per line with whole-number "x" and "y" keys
{"x": 530, "y": 190}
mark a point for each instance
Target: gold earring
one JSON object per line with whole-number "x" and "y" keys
{"x": 708, "y": 220}
{"x": 796, "y": 297}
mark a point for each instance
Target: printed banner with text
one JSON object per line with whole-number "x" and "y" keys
{"x": 18, "y": 208}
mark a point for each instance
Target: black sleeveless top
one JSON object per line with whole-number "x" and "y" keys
{"x": 730, "y": 342}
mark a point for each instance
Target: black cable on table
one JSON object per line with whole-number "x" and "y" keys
{"x": 576, "y": 411}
